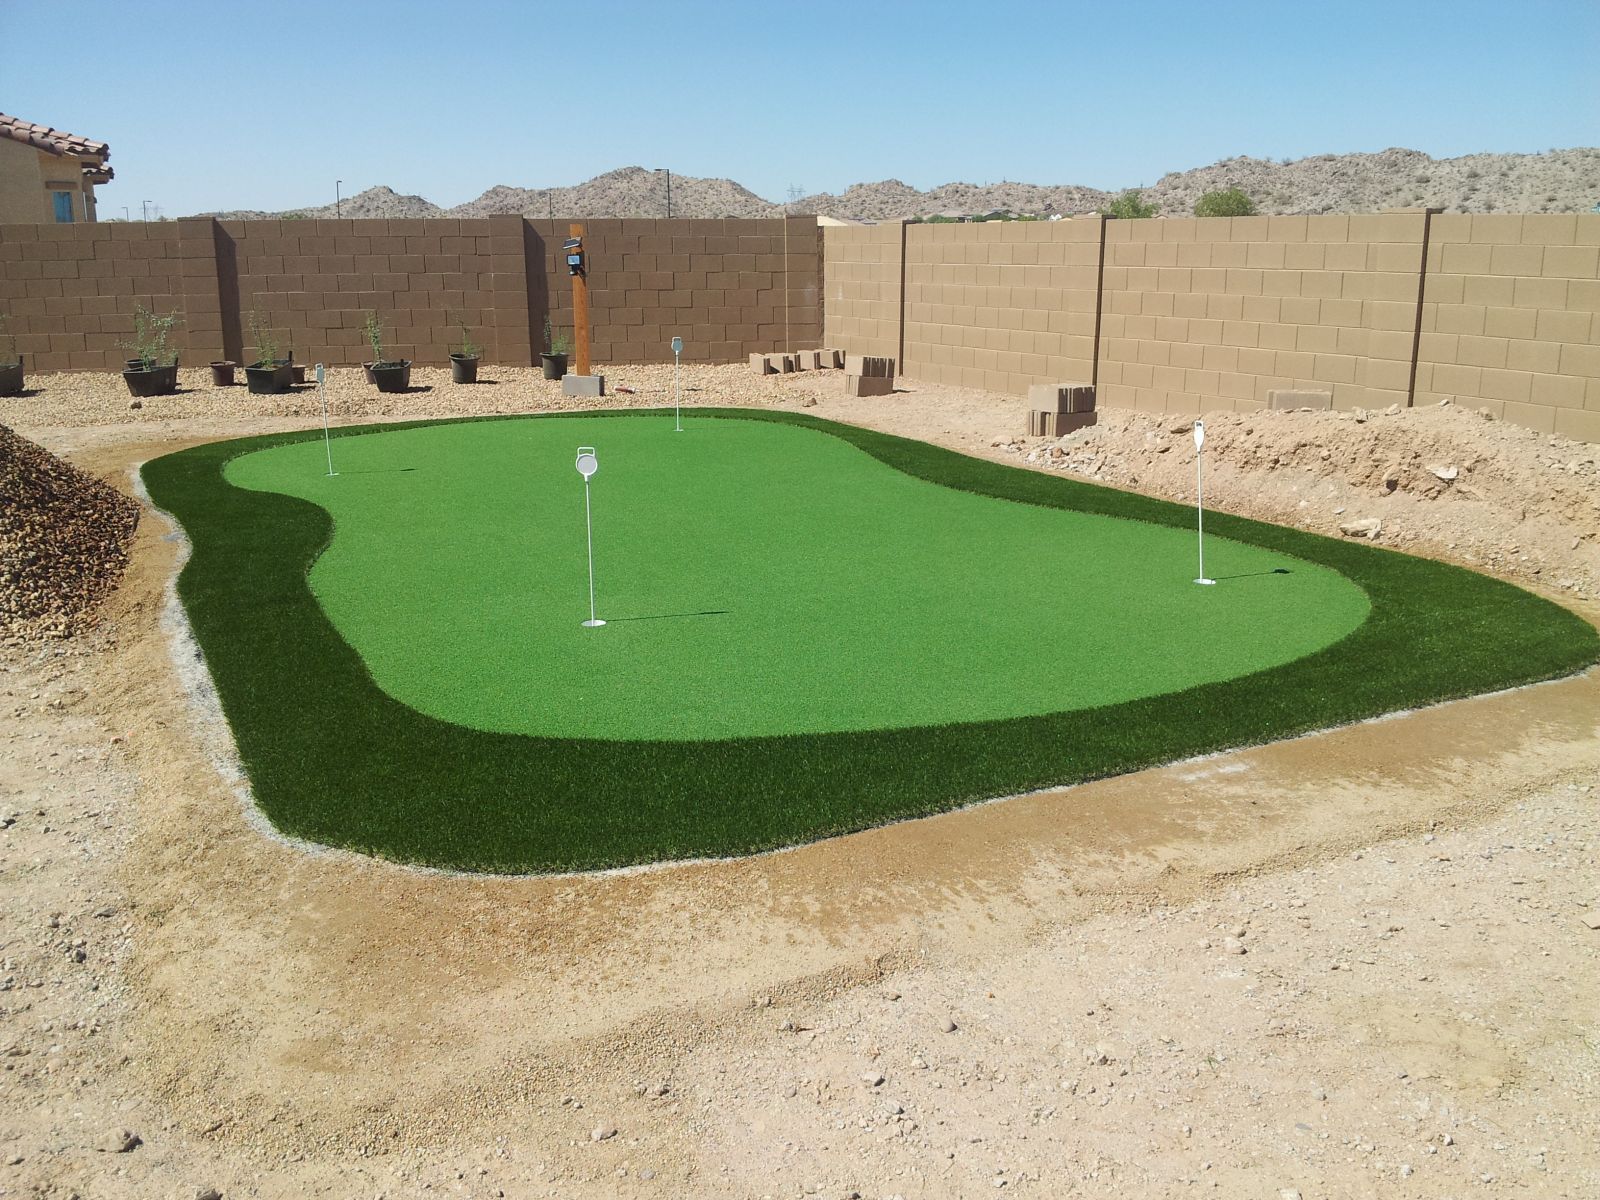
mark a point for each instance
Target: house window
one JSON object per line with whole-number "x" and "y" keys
{"x": 63, "y": 202}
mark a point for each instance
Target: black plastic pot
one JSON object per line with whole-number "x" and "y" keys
{"x": 463, "y": 369}
{"x": 555, "y": 365}
{"x": 156, "y": 381}
{"x": 222, "y": 373}
{"x": 298, "y": 371}
{"x": 391, "y": 376}
{"x": 133, "y": 364}
{"x": 268, "y": 381}
{"x": 11, "y": 378}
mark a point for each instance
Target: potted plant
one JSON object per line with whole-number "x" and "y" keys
{"x": 390, "y": 376}
{"x": 222, "y": 372}
{"x": 270, "y": 373}
{"x": 153, "y": 370}
{"x": 556, "y": 348}
{"x": 464, "y": 359}
{"x": 10, "y": 362}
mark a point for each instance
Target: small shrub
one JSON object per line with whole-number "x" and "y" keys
{"x": 268, "y": 348}
{"x": 1131, "y": 206}
{"x": 467, "y": 347}
{"x": 373, "y": 329}
{"x": 1225, "y": 202}
{"x": 8, "y": 343}
{"x": 151, "y": 331}
{"x": 557, "y": 341}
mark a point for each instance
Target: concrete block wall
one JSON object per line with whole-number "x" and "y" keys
{"x": 1216, "y": 312}
{"x": 1511, "y": 318}
{"x": 70, "y": 290}
{"x": 862, "y": 276}
{"x": 1500, "y": 311}
{"x": 1003, "y": 304}
{"x": 728, "y": 287}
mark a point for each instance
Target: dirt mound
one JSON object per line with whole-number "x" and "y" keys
{"x": 1443, "y": 481}
{"x": 63, "y": 540}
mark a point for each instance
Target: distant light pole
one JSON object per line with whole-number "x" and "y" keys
{"x": 338, "y": 200}
{"x": 145, "y": 207}
{"x": 550, "y": 204}
{"x": 668, "y": 173}
{"x": 125, "y": 215}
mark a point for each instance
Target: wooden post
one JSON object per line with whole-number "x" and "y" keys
{"x": 580, "y": 310}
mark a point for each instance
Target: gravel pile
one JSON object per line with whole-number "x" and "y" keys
{"x": 63, "y": 540}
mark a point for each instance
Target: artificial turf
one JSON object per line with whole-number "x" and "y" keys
{"x": 760, "y": 578}
{"x": 334, "y": 758}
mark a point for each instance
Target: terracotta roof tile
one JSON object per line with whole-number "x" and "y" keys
{"x": 52, "y": 141}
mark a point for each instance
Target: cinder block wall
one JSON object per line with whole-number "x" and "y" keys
{"x": 1002, "y": 304}
{"x": 861, "y": 279}
{"x": 1197, "y": 314}
{"x": 1511, "y": 318}
{"x": 1215, "y": 312}
{"x": 720, "y": 284}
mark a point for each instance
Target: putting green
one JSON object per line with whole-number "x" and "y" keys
{"x": 760, "y": 578}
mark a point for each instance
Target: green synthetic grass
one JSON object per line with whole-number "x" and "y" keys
{"x": 333, "y": 758}
{"x": 760, "y": 578}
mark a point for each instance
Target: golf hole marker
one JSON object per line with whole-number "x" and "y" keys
{"x": 587, "y": 465}
{"x": 677, "y": 410}
{"x": 327, "y": 441}
{"x": 1199, "y": 497}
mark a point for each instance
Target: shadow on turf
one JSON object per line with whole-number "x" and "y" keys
{"x": 1256, "y": 574}
{"x": 710, "y": 612}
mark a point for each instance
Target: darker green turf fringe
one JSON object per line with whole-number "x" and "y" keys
{"x": 333, "y": 759}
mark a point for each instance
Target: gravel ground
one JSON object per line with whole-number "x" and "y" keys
{"x": 1357, "y": 964}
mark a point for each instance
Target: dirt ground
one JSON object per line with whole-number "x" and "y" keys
{"x": 1356, "y": 964}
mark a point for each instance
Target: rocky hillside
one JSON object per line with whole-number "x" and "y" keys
{"x": 1556, "y": 181}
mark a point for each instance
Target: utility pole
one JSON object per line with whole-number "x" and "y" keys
{"x": 668, "y": 171}
{"x": 145, "y": 208}
{"x": 338, "y": 200}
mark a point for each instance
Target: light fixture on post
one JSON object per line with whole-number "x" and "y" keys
{"x": 677, "y": 403}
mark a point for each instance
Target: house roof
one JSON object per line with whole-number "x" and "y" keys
{"x": 51, "y": 141}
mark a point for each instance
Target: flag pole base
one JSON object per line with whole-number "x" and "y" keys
{"x": 1207, "y": 582}
{"x": 593, "y": 624}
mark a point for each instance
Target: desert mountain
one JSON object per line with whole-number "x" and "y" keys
{"x": 1555, "y": 181}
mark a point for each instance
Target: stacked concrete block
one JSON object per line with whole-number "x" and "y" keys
{"x": 807, "y": 360}
{"x": 868, "y": 375}
{"x": 1061, "y": 397}
{"x": 1060, "y": 408}
{"x": 830, "y": 360}
{"x": 761, "y": 364}
{"x": 1288, "y": 398}
{"x": 1058, "y": 424}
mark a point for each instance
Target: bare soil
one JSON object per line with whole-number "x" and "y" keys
{"x": 1356, "y": 964}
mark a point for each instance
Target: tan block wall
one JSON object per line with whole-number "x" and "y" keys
{"x": 1511, "y": 319}
{"x": 862, "y": 273}
{"x": 1003, "y": 304}
{"x": 1214, "y": 312}
{"x": 70, "y": 289}
{"x": 728, "y": 287}
{"x": 1202, "y": 314}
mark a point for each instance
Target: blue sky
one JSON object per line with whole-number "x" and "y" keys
{"x": 263, "y": 105}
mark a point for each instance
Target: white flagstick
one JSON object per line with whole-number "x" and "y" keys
{"x": 1200, "y": 497}
{"x": 677, "y": 411}
{"x": 327, "y": 442}
{"x": 587, "y": 465}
